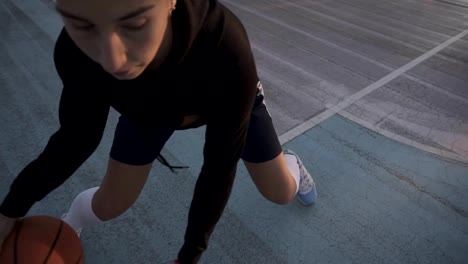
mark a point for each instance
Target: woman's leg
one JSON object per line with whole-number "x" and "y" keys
{"x": 282, "y": 178}
{"x": 273, "y": 180}
{"x": 133, "y": 151}
{"x": 118, "y": 191}
{"x": 278, "y": 175}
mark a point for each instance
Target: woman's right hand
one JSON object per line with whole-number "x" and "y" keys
{"x": 6, "y": 225}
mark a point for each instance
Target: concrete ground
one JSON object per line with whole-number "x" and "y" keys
{"x": 373, "y": 95}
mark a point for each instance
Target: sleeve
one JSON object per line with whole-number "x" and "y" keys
{"x": 82, "y": 118}
{"x": 226, "y": 132}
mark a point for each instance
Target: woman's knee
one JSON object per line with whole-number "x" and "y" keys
{"x": 280, "y": 197}
{"x": 273, "y": 180}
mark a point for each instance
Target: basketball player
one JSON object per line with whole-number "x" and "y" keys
{"x": 164, "y": 65}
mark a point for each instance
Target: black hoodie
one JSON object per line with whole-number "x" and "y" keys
{"x": 209, "y": 72}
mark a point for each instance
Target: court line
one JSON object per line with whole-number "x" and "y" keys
{"x": 308, "y": 124}
{"x": 433, "y": 150}
{"x": 293, "y": 133}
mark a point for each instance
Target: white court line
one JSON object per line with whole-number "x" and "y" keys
{"x": 298, "y": 130}
{"x": 409, "y": 142}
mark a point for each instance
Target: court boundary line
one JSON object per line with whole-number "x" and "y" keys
{"x": 329, "y": 112}
{"x": 401, "y": 139}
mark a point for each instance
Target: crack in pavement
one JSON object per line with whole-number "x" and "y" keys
{"x": 372, "y": 159}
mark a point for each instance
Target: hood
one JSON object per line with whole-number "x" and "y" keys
{"x": 188, "y": 20}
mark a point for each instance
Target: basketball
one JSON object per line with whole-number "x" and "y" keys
{"x": 42, "y": 239}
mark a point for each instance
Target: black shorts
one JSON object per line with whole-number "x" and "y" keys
{"x": 136, "y": 145}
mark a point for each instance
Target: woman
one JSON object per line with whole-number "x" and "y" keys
{"x": 164, "y": 66}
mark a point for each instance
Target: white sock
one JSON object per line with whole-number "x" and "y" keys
{"x": 291, "y": 161}
{"x": 81, "y": 212}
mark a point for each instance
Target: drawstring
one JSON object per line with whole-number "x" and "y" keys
{"x": 164, "y": 162}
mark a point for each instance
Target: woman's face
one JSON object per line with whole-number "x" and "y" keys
{"x": 123, "y": 36}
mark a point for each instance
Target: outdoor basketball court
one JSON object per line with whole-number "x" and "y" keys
{"x": 373, "y": 95}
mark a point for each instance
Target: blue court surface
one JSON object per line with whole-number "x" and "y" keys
{"x": 373, "y": 95}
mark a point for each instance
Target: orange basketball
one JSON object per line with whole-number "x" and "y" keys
{"x": 42, "y": 239}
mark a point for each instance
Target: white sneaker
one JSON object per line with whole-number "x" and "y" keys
{"x": 307, "y": 193}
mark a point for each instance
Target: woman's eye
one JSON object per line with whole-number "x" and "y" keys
{"x": 135, "y": 26}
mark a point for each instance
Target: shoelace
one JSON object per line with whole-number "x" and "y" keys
{"x": 305, "y": 180}
{"x": 164, "y": 162}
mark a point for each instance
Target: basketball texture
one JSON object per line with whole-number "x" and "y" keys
{"x": 42, "y": 239}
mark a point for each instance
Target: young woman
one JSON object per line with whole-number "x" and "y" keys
{"x": 164, "y": 66}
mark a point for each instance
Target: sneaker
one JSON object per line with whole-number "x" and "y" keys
{"x": 78, "y": 231}
{"x": 307, "y": 193}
